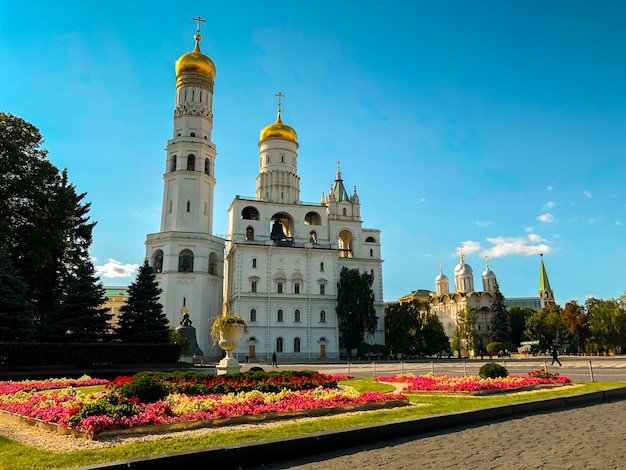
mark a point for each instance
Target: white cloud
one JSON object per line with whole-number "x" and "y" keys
{"x": 114, "y": 269}
{"x": 549, "y": 188}
{"x": 527, "y": 246}
{"x": 549, "y": 205}
{"x": 483, "y": 223}
{"x": 618, "y": 223}
{"x": 533, "y": 237}
{"x": 547, "y": 217}
{"x": 528, "y": 229}
{"x": 422, "y": 199}
{"x": 594, "y": 220}
{"x": 586, "y": 193}
{"x": 469, "y": 247}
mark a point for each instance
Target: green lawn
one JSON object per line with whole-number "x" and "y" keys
{"x": 14, "y": 455}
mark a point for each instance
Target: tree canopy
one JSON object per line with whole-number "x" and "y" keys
{"x": 355, "y": 308}
{"x": 44, "y": 225}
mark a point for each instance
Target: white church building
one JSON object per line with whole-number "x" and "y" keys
{"x": 280, "y": 264}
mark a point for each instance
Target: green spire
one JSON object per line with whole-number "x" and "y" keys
{"x": 544, "y": 283}
{"x": 339, "y": 190}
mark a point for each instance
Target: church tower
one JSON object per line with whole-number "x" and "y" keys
{"x": 545, "y": 291}
{"x": 187, "y": 257}
{"x": 463, "y": 276}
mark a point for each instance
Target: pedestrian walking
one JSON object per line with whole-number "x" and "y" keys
{"x": 555, "y": 356}
{"x": 274, "y": 363}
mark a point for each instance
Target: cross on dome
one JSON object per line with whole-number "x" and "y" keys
{"x": 200, "y": 20}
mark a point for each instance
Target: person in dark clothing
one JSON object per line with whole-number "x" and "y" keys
{"x": 555, "y": 356}
{"x": 274, "y": 363}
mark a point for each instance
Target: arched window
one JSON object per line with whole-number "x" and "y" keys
{"x": 345, "y": 244}
{"x": 213, "y": 264}
{"x": 323, "y": 316}
{"x": 345, "y": 211}
{"x": 279, "y": 316}
{"x": 322, "y": 266}
{"x": 157, "y": 261}
{"x": 191, "y": 163}
{"x": 296, "y": 316}
{"x": 207, "y": 166}
{"x": 185, "y": 261}
{"x": 371, "y": 252}
{"x": 249, "y": 234}
{"x": 173, "y": 164}
{"x": 253, "y": 314}
{"x": 370, "y": 240}
{"x": 254, "y": 262}
{"x": 312, "y": 218}
{"x": 279, "y": 345}
{"x": 250, "y": 213}
{"x": 296, "y": 345}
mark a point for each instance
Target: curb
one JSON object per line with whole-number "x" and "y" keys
{"x": 238, "y": 456}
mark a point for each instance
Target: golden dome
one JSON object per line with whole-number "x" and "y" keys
{"x": 195, "y": 62}
{"x": 279, "y": 130}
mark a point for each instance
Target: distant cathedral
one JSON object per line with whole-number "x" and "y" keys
{"x": 280, "y": 264}
{"x": 448, "y": 305}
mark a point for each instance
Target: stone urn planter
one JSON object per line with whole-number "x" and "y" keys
{"x": 226, "y": 331}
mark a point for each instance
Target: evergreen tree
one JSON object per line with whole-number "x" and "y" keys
{"x": 79, "y": 316}
{"x": 141, "y": 318}
{"x": 499, "y": 323}
{"x": 36, "y": 213}
{"x": 355, "y": 308}
{"x": 15, "y": 312}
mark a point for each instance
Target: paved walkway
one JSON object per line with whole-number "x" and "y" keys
{"x": 592, "y": 437}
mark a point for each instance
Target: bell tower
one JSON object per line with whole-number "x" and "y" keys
{"x": 545, "y": 291}
{"x": 187, "y": 257}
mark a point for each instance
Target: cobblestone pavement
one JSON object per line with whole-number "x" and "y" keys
{"x": 592, "y": 437}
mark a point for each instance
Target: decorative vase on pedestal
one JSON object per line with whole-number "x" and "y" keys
{"x": 230, "y": 337}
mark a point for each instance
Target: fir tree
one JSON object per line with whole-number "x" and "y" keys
{"x": 499, "y": 323}
{"x": 141, "y": 318}
{"x": 15, "y": 312}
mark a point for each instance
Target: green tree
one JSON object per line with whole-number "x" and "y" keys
{"x": 468, "y": 329}
{"x": 402, "y": 322}
{"x": 355, "y": 308}
{"x": 15, "y": 312}
{"x": 499, "y": 323}
{"x": 141, "y": 318}
{"x": 435, "y": 339}
{"x": 517, "y": 323}
{"x": 608, "y": 324}
{"x": 36, "y": 214}
{"x": 576, "y": 320}
{"x": 546, "y": 327}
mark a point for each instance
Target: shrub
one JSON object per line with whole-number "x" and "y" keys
{"x": 257, "y": 369}
{"x": 146, "y": 388}
{"x": 492, "y": 370}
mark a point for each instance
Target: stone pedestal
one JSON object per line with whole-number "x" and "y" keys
{"x": 229, "y": 341}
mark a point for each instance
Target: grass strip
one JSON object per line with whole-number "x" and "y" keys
{"x": 14, "y": 455}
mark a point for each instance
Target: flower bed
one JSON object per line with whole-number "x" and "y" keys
{"x": 7, "y": 388}
{"x": 111, "y": 410}
{"x": 474, "y": 384}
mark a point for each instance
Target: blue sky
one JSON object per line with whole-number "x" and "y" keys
{"x": 497, "y": 125}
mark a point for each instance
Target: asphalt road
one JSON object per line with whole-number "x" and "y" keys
{"x": 579, "y": 369}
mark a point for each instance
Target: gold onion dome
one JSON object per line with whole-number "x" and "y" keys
{"x": 195, "y": 62}
{"x": 279, "y": 130}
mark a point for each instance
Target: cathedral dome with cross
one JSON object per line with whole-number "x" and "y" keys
{"x": 196, "y": 61}
{"x": 279, "y": 129}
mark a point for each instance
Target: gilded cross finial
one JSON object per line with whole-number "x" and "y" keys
{"x": 280, "y": 99}
{"x": 440, "y": 267}
{"x": 487, "y": 261}
{"x": 461, "y": 253}
{"x": 199, "y": 19}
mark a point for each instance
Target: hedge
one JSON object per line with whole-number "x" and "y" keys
{"x": 87, "y": 354}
